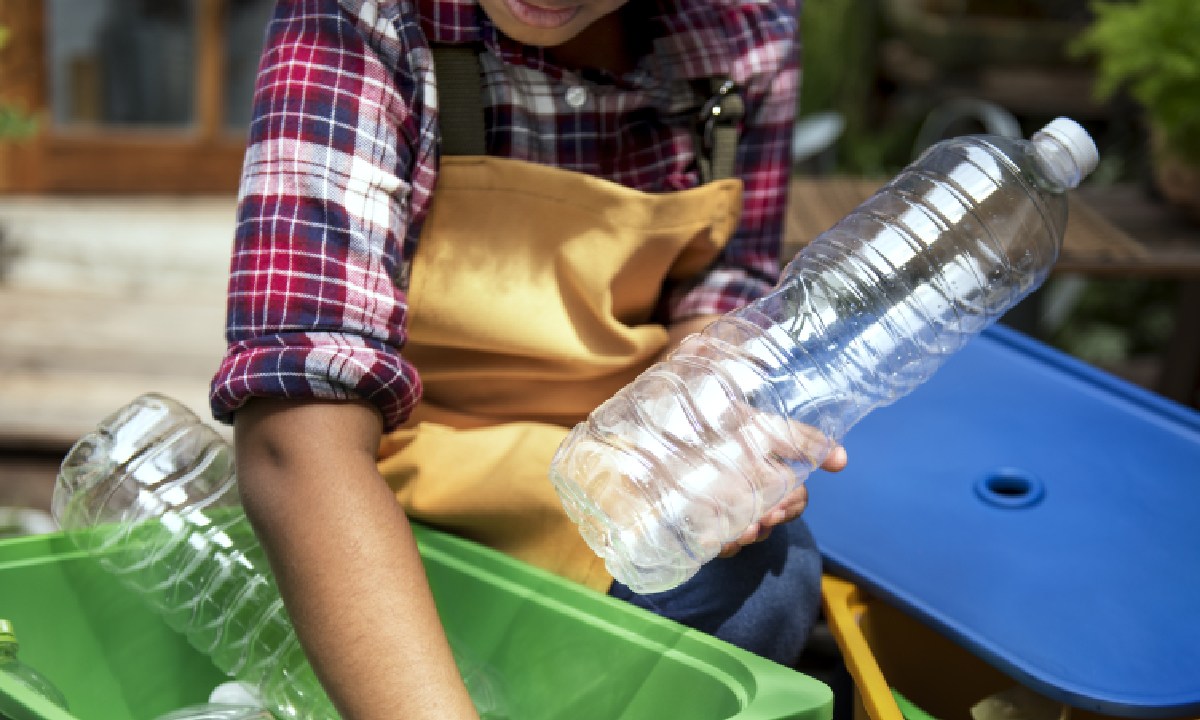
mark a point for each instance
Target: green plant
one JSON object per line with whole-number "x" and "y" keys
{"x": 13, "y": 123}
{"x": 1152, "y": 48}
{"x": 1112, "y": 321}
{"x": 839, "y": 57}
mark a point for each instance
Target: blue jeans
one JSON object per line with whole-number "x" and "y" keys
{"x": 765, "y": 599}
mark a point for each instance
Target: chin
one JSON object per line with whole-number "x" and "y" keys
{"x": 538, "y": 37}
{"x": 527, "y": 24}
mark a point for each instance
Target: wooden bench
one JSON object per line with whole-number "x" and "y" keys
{"x": 103, "y": 299}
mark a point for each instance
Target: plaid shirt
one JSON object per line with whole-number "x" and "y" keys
{"x": 342, "y": 162}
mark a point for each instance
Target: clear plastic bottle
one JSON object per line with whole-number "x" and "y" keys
{"x": 151, "y": 493}
{"x": 698, "y": 447}
{"x": 13, "y": 666}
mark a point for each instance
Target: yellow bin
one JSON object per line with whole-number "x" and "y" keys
{"x": 904, "y": 670}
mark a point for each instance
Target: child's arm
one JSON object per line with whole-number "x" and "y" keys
{"x": 334, "y": 174}
{"x": 345, "y": 558}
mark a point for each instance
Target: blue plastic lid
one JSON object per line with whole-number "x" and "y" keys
{"x": 1040, "y": 513}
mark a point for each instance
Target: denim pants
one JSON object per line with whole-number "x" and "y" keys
{"x": 765, "y": 599}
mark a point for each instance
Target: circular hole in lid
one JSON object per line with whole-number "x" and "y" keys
{"x": 1010, "y": 488}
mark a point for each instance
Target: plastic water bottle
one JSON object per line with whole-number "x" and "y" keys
{"x": 14, "y": 667}
{"x": 151, "y": 493}
{"x": 701, "y": 445}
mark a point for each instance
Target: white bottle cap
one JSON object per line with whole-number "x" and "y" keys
{"x": 1076, "y": 140}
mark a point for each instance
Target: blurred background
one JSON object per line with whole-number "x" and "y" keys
{"x": 122, "y": 124}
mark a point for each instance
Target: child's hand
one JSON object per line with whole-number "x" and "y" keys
{"x": 787, "y": 510}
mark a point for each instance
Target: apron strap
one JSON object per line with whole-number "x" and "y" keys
{"x": 460, "y": 99}
{"x": 463, "y": 132}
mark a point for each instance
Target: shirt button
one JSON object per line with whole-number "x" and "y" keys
{"x": 577, "y": 96}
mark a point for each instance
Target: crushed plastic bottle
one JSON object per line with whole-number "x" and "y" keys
{"x": 30, "y": 677}
{"x": 701, "y": 445}
{"x": 151, "y": 493}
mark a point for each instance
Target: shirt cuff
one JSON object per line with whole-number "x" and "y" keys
{"x": 324, "y": 366}
{"x": 720, "y": 291}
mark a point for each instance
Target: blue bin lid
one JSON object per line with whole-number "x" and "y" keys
{"x": 1041, "y": 513}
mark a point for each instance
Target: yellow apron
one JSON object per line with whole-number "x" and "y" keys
{"x": 529, "y": 305}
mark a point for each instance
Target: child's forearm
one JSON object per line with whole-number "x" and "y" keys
{"x": 345, "y": 560}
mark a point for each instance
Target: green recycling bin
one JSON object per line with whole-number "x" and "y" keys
{"x": 561, "y": 651}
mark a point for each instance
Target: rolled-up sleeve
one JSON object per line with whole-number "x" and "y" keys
{"x": 333, "y": 174}
{"x": 766, "y": 68}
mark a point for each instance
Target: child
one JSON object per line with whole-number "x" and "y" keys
{"x": 435, "y": 274}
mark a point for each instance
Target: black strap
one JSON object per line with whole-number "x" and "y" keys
{"x": 459, "y": 75}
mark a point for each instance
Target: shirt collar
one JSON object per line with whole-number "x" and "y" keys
{"x": 452, "y": 22}
{"x": 693, "y": 39}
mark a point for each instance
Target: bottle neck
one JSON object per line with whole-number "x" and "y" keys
{"x": 1056, "y": 162}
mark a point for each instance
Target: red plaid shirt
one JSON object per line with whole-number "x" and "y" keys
{"x": 342, "y": 162}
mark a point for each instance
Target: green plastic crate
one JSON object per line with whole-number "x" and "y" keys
{"x": 561, "y": 651}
